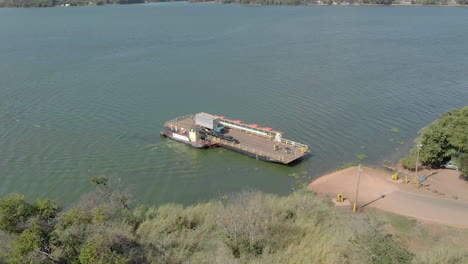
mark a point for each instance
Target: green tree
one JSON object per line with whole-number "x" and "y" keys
{"x": 14, "y": 212}
{"x": 384, "y": 2}
{"x": 32, "y": 245}
{"x": 443, "y": 139}
{"x": 71, "y": 232}
{"x": 462, "y": 161}
{"x": 29, "y": 241}
{"x": 98, "y": 251}
{"x": 45, "y": 209}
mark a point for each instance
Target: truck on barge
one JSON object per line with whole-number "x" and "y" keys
{"x": 204, "y": 130}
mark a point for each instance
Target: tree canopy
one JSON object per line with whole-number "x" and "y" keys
{"x": 51, "y": 3}
{"x": 443, "y": 140}
{"x": 332, "y": 2}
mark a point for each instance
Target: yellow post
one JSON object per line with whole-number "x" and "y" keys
{"x": 340, "y": 198}
{"x": 406, "y": 179}
{"x": 355, "y": 207}
{"x": 414, "y": 179}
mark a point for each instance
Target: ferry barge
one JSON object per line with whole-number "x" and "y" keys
{"x": 205, "y": 130}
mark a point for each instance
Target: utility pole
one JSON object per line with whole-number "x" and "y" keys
{"x": 357, "y": 188}
{"x": 416, "y": 180}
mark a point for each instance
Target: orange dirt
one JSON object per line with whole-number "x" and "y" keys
{"x": 443, "y": 199}
{"x": 373, "y": 184}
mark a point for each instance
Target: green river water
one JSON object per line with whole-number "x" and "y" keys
{"x": 85, "y": 91}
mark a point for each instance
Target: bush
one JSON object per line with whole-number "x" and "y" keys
{"x": 381, "y": 248}
{"x": 442, "y": 140}
{"x": 462, "y": 162}
{"x": 249, "y": 227}
{"x": 14, "y": 212}
{"x": 409, "y": 162}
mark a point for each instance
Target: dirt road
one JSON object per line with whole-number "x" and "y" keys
{"x": 377, "y": 189}
{"x": 442, "y": 211}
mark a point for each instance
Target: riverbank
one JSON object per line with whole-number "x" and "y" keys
{"x": 338, "y": 3}
{"x": 78, "y": 3}
{"x": 73, "y": 3}
{"x": 443, "y": 199}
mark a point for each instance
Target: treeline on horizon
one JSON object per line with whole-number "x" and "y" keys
{"x": 337, "y": 2}
{"x": 52, "y": 3}
{"x": 248, "y": 227}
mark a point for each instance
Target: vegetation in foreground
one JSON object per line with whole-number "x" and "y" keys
{"x": 443, "y": 140}
{"x": 250, "y": 227}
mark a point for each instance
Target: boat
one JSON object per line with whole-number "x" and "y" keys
{"x": 183, "y": 137}
{"x": 204, "y": 130}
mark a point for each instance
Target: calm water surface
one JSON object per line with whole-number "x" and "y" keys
{"x": 84, "y": 91}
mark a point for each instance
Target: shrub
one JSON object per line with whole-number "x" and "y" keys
{"x": 409, "y": 162}
{"x": 443, "y": 139}
{"x": 14, "y": 212}
{"x": 381, "y": 248}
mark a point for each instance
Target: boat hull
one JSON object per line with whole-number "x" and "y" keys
{"x": 180, "y": 138}
{"x": 252, "y": 155}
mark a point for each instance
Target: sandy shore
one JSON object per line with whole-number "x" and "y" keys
{"x": 373, "y": 184}
{"x": 443, "y": 199}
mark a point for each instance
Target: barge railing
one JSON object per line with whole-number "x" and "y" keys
{"x": 303, "y": 147}
{"x": 248, "y": 128}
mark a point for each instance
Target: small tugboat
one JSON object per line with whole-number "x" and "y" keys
{"x": 191, "y": 137}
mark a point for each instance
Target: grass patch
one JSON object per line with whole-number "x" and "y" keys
{"x": 423, "y": 238}
{"x": 361, "y": 157}
{"x": 345, "y": 166}
{"x": 294, "y": 175}
{"x": 395, "y": 130}
{"x": 401, "y": 223}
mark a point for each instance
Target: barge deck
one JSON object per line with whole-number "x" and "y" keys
{"x": 261, "y": 143}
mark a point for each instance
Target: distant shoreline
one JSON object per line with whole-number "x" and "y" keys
{"x": 99, "y": 3}
{"x": 334, "y": 4}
